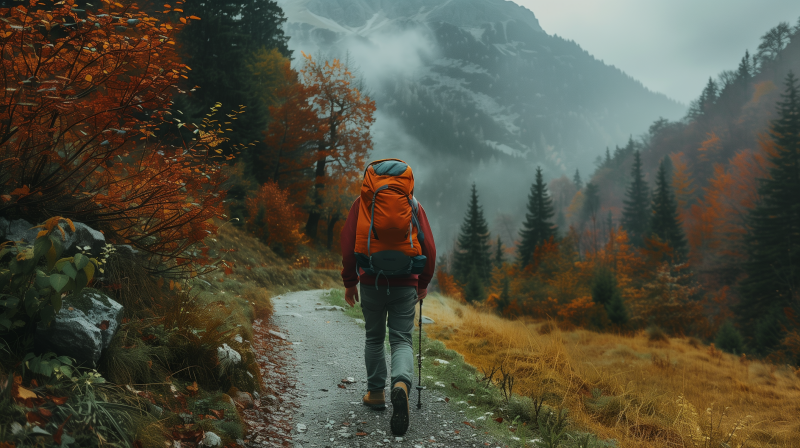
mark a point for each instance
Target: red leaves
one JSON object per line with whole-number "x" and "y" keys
{"x": 469, "y": 424}
{"x": 60, "y": 431}
{"x": 104, "y": 325}
{"x": 499, "y": 419}
{"x": 218, "y": 414}
{"x": 192, "y": 388}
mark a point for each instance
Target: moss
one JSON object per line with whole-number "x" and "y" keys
{"x": 83, "y": 301}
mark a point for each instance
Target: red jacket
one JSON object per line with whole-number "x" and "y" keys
{"x": 348, "y": 239}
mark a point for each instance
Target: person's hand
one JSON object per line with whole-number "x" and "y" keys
{"x": 351, "y": 295}
{"x": 421, "y": 293}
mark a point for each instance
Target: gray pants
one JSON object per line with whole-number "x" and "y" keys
{"x": 398, "y": 305}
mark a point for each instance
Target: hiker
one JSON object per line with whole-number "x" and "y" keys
{"x": 388, "y": 247}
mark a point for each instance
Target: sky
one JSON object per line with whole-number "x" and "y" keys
{"x": 671, "y": 46}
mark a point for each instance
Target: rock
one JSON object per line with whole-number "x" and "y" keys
{"x": 301, "y": 427}
{"x": 17, "y": 230}
{"x": 83, "y": 328}
{"x": 126, "y": 250}
{"x": 427, "y": 320}
{"x": 244, "y": 400}
{"x": 226, "y": 353}
{"x": 238, "y": 338}
{"x": 278, "y": 334}
{"x": 360, "y": 321}
{"x": 271, "y": 399}
{"x": 211, "y": 440}
{"x": 329, "y": 308}
{"x": 83, "y": 237}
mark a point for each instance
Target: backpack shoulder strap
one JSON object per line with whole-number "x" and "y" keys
{"x": 415, "y": 217}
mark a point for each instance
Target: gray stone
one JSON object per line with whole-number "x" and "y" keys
{"x": 278, "y": 334}
{"x": 82, "y": 237}
{"x": 329, "y": 308}
{"x": 427, "y": 320}
{"x": 83, "y": 328}
{"x": 226, "y": 353}
{"x": 211, "y": 440}
{"x": 17, "y": 230}
{"x": 126, "y": 250}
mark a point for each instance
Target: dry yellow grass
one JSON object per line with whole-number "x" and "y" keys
{"x": 672, "y": 393}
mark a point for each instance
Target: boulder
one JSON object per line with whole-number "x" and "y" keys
{"x": 83, "y": 328}
{"x": 82, "y": 238}
{"x": 17, "y": 230}
{"x": 73, "y": 242}
{"x": 244, "y": 400}
{"x": 226, "y": 353}
{"x": 211, "y": 440}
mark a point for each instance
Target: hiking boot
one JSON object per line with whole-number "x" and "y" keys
{"x": 399, "y": 422}
{"x": 375, "y": 399}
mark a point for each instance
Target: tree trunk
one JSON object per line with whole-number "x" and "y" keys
{"x": 315, "y": 214}
{"x": 331, "y": 225}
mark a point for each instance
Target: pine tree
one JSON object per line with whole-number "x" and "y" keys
{"x": 498, "y": 254}
{"x": 729, "y": 339}
{"x": 472, "y": 253}
{"x": 745, "y": 71}
{"x": 591, "y": 203}
{"x": 505, "y": 298}
{"x": 607, "y": 162}
{"x": 616, "y": 311}
{"x": 665, "y": 223}
{"x": 636, "y": 213}
{"x": 218, "y": 49}
{"x": 577, "y": 180}
{"x": 537, "y": 227}
{"x": 473, "y": 291}
{"x": 703, "y": 105}
{"x": 773, "y": 244}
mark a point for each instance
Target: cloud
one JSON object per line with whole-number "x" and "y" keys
{"x": 382, "y": 55}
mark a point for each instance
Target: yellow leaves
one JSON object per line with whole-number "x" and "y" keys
{"x": 88, "y": 78}
{"x": 183, "y": 20}
{"x": 21, "y": 191}
{"x": 194, "y": 17}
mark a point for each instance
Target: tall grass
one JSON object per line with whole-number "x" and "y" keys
{"x": 639, "y": 390}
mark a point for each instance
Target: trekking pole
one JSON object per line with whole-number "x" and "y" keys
{"x": 419, "y": 361}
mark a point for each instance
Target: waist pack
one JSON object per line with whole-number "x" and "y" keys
{"x": 388, "y": 236}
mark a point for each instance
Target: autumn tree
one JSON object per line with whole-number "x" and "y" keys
{"x": 537, "y": 227}
{"x": 471, "y": 258}
{"x": 773, "y": 244}
{"x": 665, "y": 222}
{"x": 78, "y": 115}
{"x": 636, "y": 214}
{"x": 273, "y": 219}
{"x": 344, "y": 116}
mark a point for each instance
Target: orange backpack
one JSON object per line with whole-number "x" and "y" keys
{"x": 388, "y": 236}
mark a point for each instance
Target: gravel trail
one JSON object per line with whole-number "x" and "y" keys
{"x": 328, "y": 347}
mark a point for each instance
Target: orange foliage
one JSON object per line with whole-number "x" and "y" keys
{"x": 77, "y": 112}
{"x": 710, "y": 147}
{"x": 292, "y": 135}
{"x": 716, "y": 227}
{"x": 682, "y": 183}
{"x": 273, "y": 219}
{"x": 448, "y": 286}
{"x": 579, "y": 311}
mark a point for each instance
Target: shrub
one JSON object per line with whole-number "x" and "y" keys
{"x": 656, "y": 334}
{"x": 79, "y": 121}
{"x": 274, "y": 220}
{"x": 729, "y": 339}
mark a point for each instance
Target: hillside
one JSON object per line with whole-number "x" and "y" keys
{"x": 476, "y": 90}
{"x": 646, "y": 390}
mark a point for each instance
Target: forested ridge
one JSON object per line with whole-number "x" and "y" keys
{"x": 690, "y": 229}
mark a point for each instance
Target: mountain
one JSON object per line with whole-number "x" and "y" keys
{"x": 476, "y": 91}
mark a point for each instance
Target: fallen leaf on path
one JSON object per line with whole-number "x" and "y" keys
{"x": 499, "y": 419}
{"x": 341, "y": 386}
{"x": 361, "y": 434}
{"x": 469, "y": 424}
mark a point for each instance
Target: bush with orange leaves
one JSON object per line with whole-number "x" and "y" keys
{"x": 274, "y": 220}
{"x": 448, "y": 285}
{"x": 85, "y": 93}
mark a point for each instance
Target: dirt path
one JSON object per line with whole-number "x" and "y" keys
{"x": 328, "y": 346}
